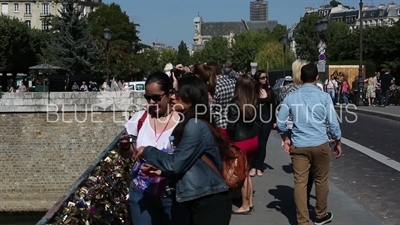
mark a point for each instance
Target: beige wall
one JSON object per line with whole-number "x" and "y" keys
{"x": 19, "y": 10}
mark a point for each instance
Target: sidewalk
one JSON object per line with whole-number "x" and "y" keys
{"x": 273, "y": 199}
{"x": 391, "y": 112}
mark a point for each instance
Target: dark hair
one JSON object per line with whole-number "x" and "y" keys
{"x": 309, "y": 73}
{"x": 207, "y": 74}
{"x": 246, "y": 93}
{"x": 161, "y": 79}
{"x": 260, "y": 86}
{"x": 193, "y": 90}
{"x": 216, "y": 67}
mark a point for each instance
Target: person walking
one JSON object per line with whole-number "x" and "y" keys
{"x": 309, "y": 143}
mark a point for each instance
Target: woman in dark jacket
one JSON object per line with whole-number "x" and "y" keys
{"x": 198, "y": 186}
{"x": 243, "y": 130}
{"x": 267, "y": 109}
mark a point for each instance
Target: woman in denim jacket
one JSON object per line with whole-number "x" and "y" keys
{"x": 198, "y": 187}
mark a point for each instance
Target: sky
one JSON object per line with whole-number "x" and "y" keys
{"x": 170, "y": 21}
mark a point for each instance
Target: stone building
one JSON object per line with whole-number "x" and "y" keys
{"x": 383, "y": 15}
{"x": 33, "y": 13}
{"x": 204, "y": 31}
{"x": 259, "y": 10}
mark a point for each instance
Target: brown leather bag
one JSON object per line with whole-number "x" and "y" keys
{"x": 234, "y": 169}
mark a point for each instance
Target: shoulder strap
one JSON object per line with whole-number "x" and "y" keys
{"x": 210, "y": 164}
{"x": 141, "y": 121}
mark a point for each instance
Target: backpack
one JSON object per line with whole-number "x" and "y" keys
{"x": 234, "y": 170}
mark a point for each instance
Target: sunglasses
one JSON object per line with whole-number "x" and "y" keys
{"x": 155, "y": 98}
{"x": 263, "y": 78}
{"x": 174, "y": 92}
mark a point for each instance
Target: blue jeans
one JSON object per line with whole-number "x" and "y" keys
{"x": 345, "y": 99}
{"x": 385, "y": 97}
{"x": 332, "y": 93}
{"x": 150, "y": 210}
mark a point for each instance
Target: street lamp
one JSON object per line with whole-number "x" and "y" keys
{"x": 284, "y": 41}
{"x": 359, "y": 96}
{"x": 107, "y": 37}
{"x": 322, "y": 26}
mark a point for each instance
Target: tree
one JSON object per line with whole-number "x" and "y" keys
{"x": 168, "y": 56}
{"x": 183, "y": 54}
{"x": 246, "y": 46}
{"x": 278, "y": 32}
{"x": 216, "y": 50}
{"x": 122, "y": 62}
{"x": 271, "y": 56}
{"x": 339, "y": 37}
{"x": 112, "y": 17}
{"x": 307, "y": 38}
{"x": 71, "y": 45}
{"x": 20, "y": 47}
{"x": 197, "y": 57}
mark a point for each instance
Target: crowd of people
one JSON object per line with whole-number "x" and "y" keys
{"x": 198, "y": 112}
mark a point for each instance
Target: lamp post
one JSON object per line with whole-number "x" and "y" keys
{"x": 107, "y": 37}
{"x": 284, "y": 41}
{"x": 359, "y": 97}
{"x": 322, "y": 26}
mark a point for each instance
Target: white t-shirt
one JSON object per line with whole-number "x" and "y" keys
{"x": 331, "y": 84}
{"x": 146, "y": 136}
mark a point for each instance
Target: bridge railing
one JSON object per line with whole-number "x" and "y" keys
{"x": 99, "y": 196}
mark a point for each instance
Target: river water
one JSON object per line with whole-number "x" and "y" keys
{"x": 20, "y": 218}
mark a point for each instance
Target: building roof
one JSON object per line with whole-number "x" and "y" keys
{"x": 225, "y": 28}
{"x": 345, "y": 13}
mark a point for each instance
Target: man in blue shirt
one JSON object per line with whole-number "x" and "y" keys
{"x": 311, "y": 110}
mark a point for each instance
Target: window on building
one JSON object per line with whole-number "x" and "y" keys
{"x": 390, "y": 22}
{"x": 16, "y": 7}
{"x": 4, "y": 9}
{"x": 45, "y": 25}
{"x": 45, "y": 9}
{"x": 28, "y": 9}
{"x": 28, "y": 23}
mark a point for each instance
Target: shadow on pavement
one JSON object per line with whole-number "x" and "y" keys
{"x": 284, "y": 202}
{"x": 288, "y": 168}
{"x": 266, "y": 166}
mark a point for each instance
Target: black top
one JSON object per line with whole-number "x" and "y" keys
{"x": 240, "y": 128}
{"x": 268, "y": 108}
{"x": 386, "y": 81}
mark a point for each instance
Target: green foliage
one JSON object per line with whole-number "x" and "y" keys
{"x": 183, "y": 54}
{"x": 19, "y": 45}
{"x": 278, "y": 32}
{"x": 271, "y": 57}
{"x": 121, "y": 60}
{"x": 307, "y": 37}
{"x": 168, "y": 56}
{"x": 197, "y": 57}
{"x": 338, "y": 39}
{"x": 71, "y": 45}
{"x": 112, "y": 17}
{"x": 246, "y": 46}
{"x": 216, "y": 50}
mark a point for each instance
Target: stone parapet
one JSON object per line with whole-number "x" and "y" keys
{"x": 72, "y": 101}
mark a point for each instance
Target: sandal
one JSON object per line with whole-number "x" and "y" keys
{"x": 252, "y": 173}
{"x": 259, "y": 173}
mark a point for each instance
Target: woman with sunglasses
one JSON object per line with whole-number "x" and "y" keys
{"x": 150, "y": 199}
{"x": 199, "y": 188}
{"x": 267, "y": 109}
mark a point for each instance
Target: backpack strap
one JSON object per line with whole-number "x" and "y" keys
{"x": 210, "y": 164}
{"x": 141, "y": 121}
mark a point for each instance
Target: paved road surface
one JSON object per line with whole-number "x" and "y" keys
{"x": 274, "y": 202}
